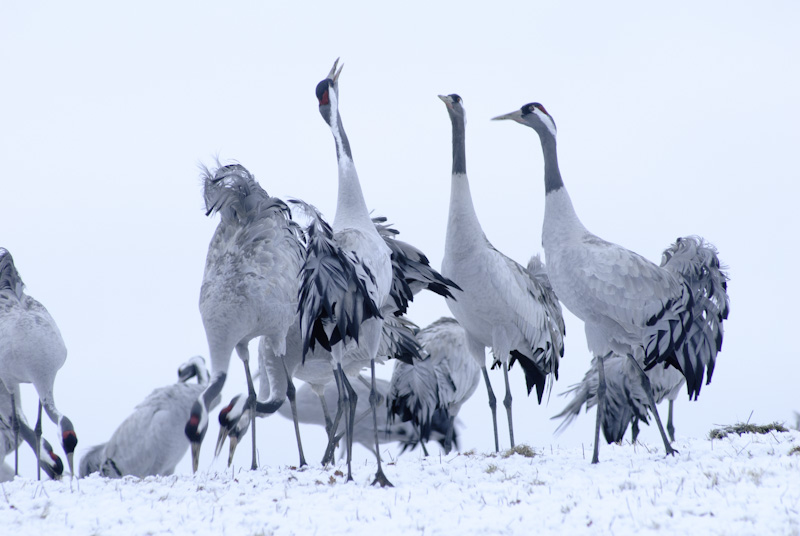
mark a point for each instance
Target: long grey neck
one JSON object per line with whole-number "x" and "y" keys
{"x": 552, "y": 175}
{"x": 459, "y": 147}
{"x": 351, "y": 208}
{"x": 463, "y": 227}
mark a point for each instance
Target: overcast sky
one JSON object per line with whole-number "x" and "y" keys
{"x": 673, "y": 119}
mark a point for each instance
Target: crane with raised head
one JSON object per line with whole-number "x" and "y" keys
{"x": 654, "y": 315}
{"x": 31, "y": 351}
{"x": 503, "y": 305}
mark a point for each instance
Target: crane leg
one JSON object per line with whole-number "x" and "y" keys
{"x": 327, "y": 414}
{"x": 448, "y": 437}
{"x": 649, "y": 390}
{"x": 601, "y": 406}
{"x": 670, "y": 427}
{"x": 38, "y": 433}
{"x": 251, "y": 398}
{"x": 634, "y": 429}
{"x": 351, "y": 401}
{"x": 507, "y": 404}
{"x": 374, "y": 398}
{"x": 290, "y": 394}
{"x": 329, "y": 450}
{"x": 492, "y": 406}
{"x": 15, "y": 427}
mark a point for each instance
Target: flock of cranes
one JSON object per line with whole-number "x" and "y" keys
{"x": 327, "y": 301}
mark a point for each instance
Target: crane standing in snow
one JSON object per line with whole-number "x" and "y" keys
{"x": 652, "y": 314}
{"x": 10, "y": 432}
{"x": 31, "y": 351}
{"x": 249, "y": 286}
{"x": 503, "y": 305}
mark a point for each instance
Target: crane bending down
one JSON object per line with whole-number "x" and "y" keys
{"x": 151, "y": 440}
{"x": 10, "y": 432}
{"x": 249, "y": 286}
{"x": 504, "y": 306}
{"x": 629, "y": 305}
{"x": 625, "y": 399}
{"x": 31, "y": 351}
{"x": 440, "y": 381}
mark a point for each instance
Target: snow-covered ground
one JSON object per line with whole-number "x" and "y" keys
{"x": 736, "y": 485}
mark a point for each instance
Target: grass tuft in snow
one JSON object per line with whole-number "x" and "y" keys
{"x": 795, "y": 450}
{"x": 522, "y": 450}
{"x": 746, "y": 428}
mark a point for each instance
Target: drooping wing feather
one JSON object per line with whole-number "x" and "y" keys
{"x": 456, "y": 370}
{"x": 696, "y": 262}
{"x": 536, "y": 313}
{"x": 411, "y": 270}
{"x": 335, "y": 289}
{"x": 413, "y": 394}
{"x": 398, "y": 340}
{"x": 10, "y": 281}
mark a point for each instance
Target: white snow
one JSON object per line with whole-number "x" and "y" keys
{"x": 736, "y": 485}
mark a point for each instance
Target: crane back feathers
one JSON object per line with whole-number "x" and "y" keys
{"x": 333, "y": 292}
{"x": 9, "y": 277}
{"x": 696, "y": 263}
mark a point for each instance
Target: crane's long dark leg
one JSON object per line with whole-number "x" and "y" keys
{"x": 290, "y": 394}
{"x": 492, "y": 406}
{"x": 374, "y": 398}
{"x": 507, "y": 404}
{"x": 326, "y": 413}
{"x": 329, "y": 450}
{"x": 15, "y": 427}
{"x": 601, "y": 407}
{"x": 418, "y": 429}
{"x": 649, "y": 390}
{"x": 244, "y": 354}
{"x": 670, "y": 427}
{"x": 448, "y": 437}
{"x": 634, "y": 429}
{"x": 350, "y": 420}
{"x": 38, "y": 433}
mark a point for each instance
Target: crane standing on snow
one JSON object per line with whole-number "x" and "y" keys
{"x": 249, "y": 286}
{"x": 31, "y": 351}
{"x": 503, "y": 305}
{"x": 653, "y": 314}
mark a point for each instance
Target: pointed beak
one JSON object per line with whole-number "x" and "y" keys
{"x": 513, "y": 116}
{"x": 223, "y": 435}
{"x": 334, "y": 74}
{"x": 234, "y": 443}
{"x": 195, "y": 455}
{"x": 69, "y": 462}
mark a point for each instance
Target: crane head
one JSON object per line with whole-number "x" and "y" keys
{"x": 229, "y": 418}
{"x": 69, "y": 440}
{"x": 328, "y": 92}
{"x": 195, "y": 430}
{"x": 455, "y": 106}
{"x": 196, "y": 366}
{"x": 49, "y": 461}
{"x": 532, "y": 115}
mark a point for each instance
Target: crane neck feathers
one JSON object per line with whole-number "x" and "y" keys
{"x": 552, "y": 175}
{"x": 459, "y": 147}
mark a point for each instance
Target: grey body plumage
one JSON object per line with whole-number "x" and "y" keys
{"x": 630, "y": 306}
{"x": 31, "y": 349}
{"x": 430, "y": 391}
{"x": 502, "y": 305}
{"x": 250, "y": 282}
{"x": 151, "y": 440}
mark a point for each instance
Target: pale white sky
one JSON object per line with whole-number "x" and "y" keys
{"x": 673, "y": 120}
